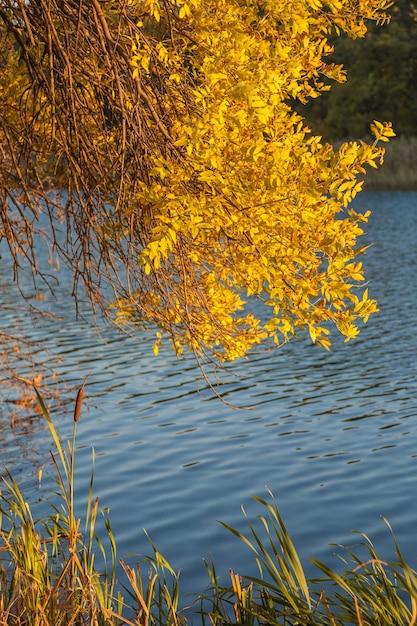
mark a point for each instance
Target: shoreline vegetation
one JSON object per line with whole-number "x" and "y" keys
{"x": 399, "y": 170}
{"x": 49, "y": 574}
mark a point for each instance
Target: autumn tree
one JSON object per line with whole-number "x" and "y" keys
{"x": 162, "y": 134}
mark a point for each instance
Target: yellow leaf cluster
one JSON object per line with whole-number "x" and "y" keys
{"x": 249, "y": 236}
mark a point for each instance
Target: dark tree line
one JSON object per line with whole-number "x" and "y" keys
{"x": 382, "y": 80}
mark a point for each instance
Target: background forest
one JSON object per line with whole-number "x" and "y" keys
{"x": 382, "y": 85}
{"x": 382, "y": 81}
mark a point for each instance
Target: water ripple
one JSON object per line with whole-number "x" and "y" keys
{"x": 332, "y": 434}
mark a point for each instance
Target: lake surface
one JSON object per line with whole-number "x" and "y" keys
{"x": 333, "y": 435}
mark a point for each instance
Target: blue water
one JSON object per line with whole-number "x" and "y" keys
{"x": 333, "y": 435}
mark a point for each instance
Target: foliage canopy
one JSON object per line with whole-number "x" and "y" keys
{"x": 191, "y": 184}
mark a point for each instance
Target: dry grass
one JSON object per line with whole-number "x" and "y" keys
{"x": 49, "y": 577}
{"x": 399, "y": 171}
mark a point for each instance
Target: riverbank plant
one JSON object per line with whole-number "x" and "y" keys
{"x": 48, "y": 567}
{"x": 58, "y": 571}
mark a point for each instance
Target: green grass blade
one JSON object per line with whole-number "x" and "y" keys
{"x": 53, "y": 432}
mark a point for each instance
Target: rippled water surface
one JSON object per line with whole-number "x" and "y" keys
{"x": 333, "y": 435}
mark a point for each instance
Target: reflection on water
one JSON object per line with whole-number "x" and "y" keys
{"x": 333, "y": 435}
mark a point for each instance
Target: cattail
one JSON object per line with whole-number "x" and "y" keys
{"x": 78, "y": 404}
